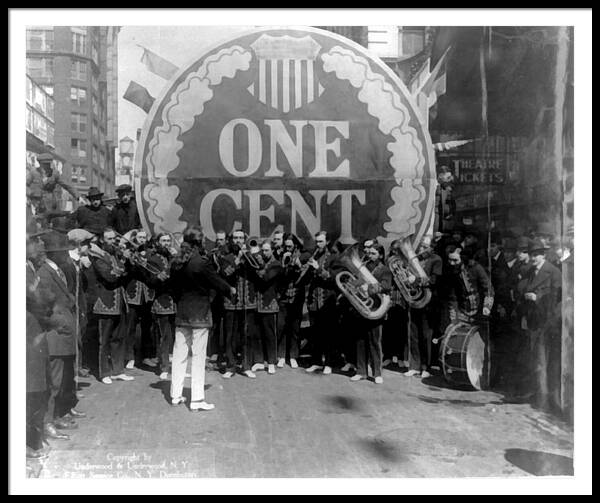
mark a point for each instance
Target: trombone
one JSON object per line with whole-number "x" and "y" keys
{"x": 137, "y": 258}
{"x": 251, "y": 254}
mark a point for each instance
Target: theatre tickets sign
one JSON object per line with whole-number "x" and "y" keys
{"x": 296, "y": 128}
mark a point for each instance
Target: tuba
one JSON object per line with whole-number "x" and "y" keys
{"x": 352, "y": 283}
{"x": 405, "y": 265}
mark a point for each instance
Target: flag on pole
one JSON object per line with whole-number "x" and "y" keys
{"x": 419, "y": 78}
{"x": 435, "y": 85}
{"x": 448, "y": 145}
{"x": 157, "y": 65}
{"x": 139, "y": 95}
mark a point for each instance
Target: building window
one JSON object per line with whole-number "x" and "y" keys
{"x": 49, "y": 89}
{"x": 95, "y": 53}
{"x": 78, "y": 96}
{"x": 79, "y": 70}
{"x": 40, "y": 68}
{"x": 40, "y": 39}
{"x": 50, "y": 139}
{"x": 40, "y": 128}
{"x": 78, "y": 41}
{"x": 411, "y": 40}
{"x": 50, "y": 108}
{"x": 102, "y": 160}
{"x": 79, "y": 174}
{"x": 39, "y": 99}
{"x": 29, "y": 91}
{"x": 29, "y": 120}
{"x": 95, "y": 105}
{"x": 78, "y": 147}
{"x": 78, "y": 123}
{"x": 95, "y": 154}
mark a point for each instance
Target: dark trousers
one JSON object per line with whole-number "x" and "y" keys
{"x": 165, "y": 326}
{"x": 267, "y": 326}
{"x": 288, "y": 330}
{"x": 420, "y": 336}
{"x": 347, "y": 337}
{"x": 239, "y": 327}
{"x": 395, "y": 333}
{"x": 61, "y": 386}
{"x": 111, "y": 338}
{"x": 139, "y": 343}
{"x": 89, "y": 344}
{"x": 36, "y": 404}
{"x": 216, "y": 341}
{"x": 324, "y": 323}
{"x": 368, "y": 350}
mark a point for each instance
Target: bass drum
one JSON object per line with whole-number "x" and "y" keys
{"x": 462, "y": 355}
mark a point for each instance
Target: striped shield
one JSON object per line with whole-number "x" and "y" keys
{"x": 286, "y": 74}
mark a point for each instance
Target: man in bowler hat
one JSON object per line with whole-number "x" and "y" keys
{"x": 124, "y": 215}
{"x": 93, "y": 217}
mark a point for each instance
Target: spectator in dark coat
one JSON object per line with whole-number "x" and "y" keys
{"x": 94, "y": 217}
{"x": 36, "y": 356}
{"x": 124, "y": 216}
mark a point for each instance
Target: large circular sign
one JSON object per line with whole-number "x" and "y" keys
{"x": 293, "y": 128}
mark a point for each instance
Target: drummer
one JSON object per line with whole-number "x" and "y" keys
{"x": 470, "y": 291}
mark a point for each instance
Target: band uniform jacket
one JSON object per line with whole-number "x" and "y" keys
{"x": 471, "y": 290}
{"x": 137, "y": 292}
{"x": 124, "y": 217}
{"x": 61, "y": 336}
{"x": 546, "y": 284}
{"x": 245, "y": 297}
{"x": 36, "y": 352}
{"x": 290, "y": 293}
{"x": 322, "y": 287}
{"x": 192, "y": 284}
{"x": 266, "y": 282}
{"x": 109, "y": 293}
{"x": 163, "y": 302}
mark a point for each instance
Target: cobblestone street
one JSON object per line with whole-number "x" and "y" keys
{"x": 295, "y": 424}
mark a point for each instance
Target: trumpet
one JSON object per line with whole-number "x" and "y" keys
{"x": 141, "y": 261}
{"x": 289, "y": 258}
{"x": 137, "y": 257}
{"x": 306, "y": 266}
{"x": 117, "y": 267}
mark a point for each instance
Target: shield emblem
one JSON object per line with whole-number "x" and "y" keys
{"x": 286, "y": 77}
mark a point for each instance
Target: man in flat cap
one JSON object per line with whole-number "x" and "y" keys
{"x": 93, "y": 217}
{"x": 76, "y": 265}
{"x": 124, "y": 216}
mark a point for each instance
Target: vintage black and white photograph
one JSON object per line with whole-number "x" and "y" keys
{"x": 329, "y": 248}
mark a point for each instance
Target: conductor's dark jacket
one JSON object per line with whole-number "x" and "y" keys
{"x": 192, "y": 284}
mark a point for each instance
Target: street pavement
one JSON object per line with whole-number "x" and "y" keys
{"x": 295, "y": 424}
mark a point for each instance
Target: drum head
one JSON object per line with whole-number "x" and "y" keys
{"x": 475, "y": 359}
